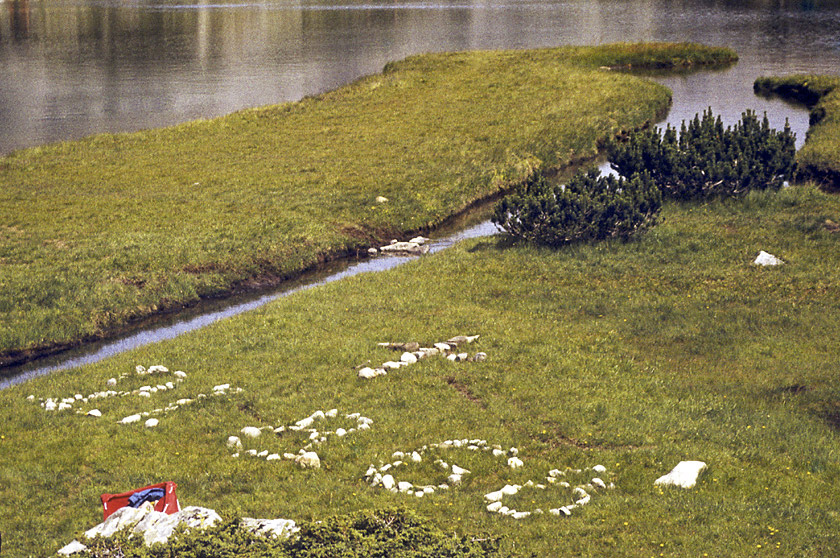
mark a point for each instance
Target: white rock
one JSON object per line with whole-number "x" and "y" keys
{"x": 408, "y": 358}
{"x": 766, "y": 259}
{"x": 130, "y": 419}
{"x": 579, "y": 492}
{"x": 332, "y": 413}
{"x": 263, "y": 453}
{"x": 459, "y": 470}
{"x": 367, "y": 372}
{"x": 494, "y": 497}
{"x": 364, "y": 426}
{"x": 309, "y": 460}
{"x": 120, "y": 519}
{"x": 598, "y": 483}
{"x": 158, "y": 369}
{"x": 498, "y": 453}
{"x": 221, "y": 387}
{"x": 391, "y": 365}
{"x": 514, "y": 463}
{"x": 397, "y": 455}
{"x": 94, "y": 413}
{"x": 251, "y": 432}
{"x": 112, "y": 381}
{"x": 684, "y": 475}
{"x": 415, "y": 457}
{"x": 64, "y": 406}
{"x": 340, "y": 432}
{"x": 520, "y": 515}
{"x": 78, "y": 397}
{"x": 184, "y": 401}
{"x": 304, "y": 423}
{"x": 583, "y": 501}
{"x": 454, "y": 478}
{"x": 140, "y": 369}
{"x": 419, "y": 240}
{"x": 72, "y": 548}
{"x": 429, "y": 489}
{"x": 381, "y": 199}
{"x": 252, "y": 452}
{"x": 274, "y": 528}
{"x": 273, "y": 457}
{"x": 152, "y": 422}
{"x": 510, "y": 489}
{"x": 388, "y": 482}
{"x": 495, "y": 506}
{"x": 404, "y": 486}
{"x": 180, "y": 374}
{"x": 504, "y": 510}
{"x": 599, "y": 469}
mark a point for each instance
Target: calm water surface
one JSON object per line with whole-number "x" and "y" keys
{"x": 70, "y": 68}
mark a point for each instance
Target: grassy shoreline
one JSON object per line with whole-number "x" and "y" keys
{"x": 819, "y": 158}
{"x": 102, "y": 232}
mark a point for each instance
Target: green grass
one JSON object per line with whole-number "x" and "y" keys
{"x": 95, "y": 234}
{"x": 631, "y": 355}
{"x": 819, "y": 158}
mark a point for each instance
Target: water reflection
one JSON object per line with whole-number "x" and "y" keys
{"x": 70, "y": 68}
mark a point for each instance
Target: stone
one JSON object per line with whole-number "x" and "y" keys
{"x": 415, "y": 457}
{"x": 599, "y": 469}
{"x": 684, "y": 475}
{"x": 520, "y": 515}
{"x": 130, "y": 419}
{"x": 495, "y": 506}
{"x": 94, "y": 413}
{"x": 459, "y": 470}
{"x": 443, "y": 347}
{"x": 388, "y": 482}
{"x": 367, "y": 372}
{"x": 454, "y": 478}
{"x": 406, "y": 248}
{"x": 340, "y": 432}
{"x": 273, "y": 528}
{"x": 273, "y": 457}
{"x": 180, "y": 374}
{"x": 309, "y": 460}
{"x": 408, "y": 358}
{"x": 461, "y": 339}
{"x": 263, "y": 453}
{"x": 112, "y": 381}
{"x": 152, "y": 422}
{"x": 598, "y": 483}
{"x": 145, "y": 394}
{"x": 64, "y": 406}
{"x": 765, "y": 259}
{"x": 251, "y": 432}
{"x": 404, "y": 486}
{"x": 221, "y": 387}
{"x": 498, "y": 452}
{"x": 72, "y": 548}
{"x": 494, "y": 497}
{"x": 372, "y": 251}
{"x": 381, "y": 199}
{"x": 510, "y": 489}
{"x": 419, "y": 240}
{"x": 158, "y": 369}
{"x": 332, "y": 413}
{"x": 514, "y": 463}
{"x": 120, "y": 519}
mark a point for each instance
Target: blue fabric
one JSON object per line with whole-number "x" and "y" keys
{"x": 149, "y": 495}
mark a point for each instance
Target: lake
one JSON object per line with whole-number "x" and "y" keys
{"x": 70, "y": 68}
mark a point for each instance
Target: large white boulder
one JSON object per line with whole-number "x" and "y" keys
{"x": 765, "y": 259}
{"x": 120, "y": 519}
{"x": 684, "y": 475}
{"x": 72, "y": 548}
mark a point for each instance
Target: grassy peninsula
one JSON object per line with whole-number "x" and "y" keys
{"x": 95, "y": 234}
{"x": 634, "y": 356}
{"x": 819, "y": 158}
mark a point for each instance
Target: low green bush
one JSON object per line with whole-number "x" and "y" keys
{"x": 392, "y": 532}
{"x": 706, "y": 159}
{"x": 589, "y": 207}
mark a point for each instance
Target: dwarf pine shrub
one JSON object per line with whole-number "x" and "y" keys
{"x": 589, "y": 207}
{"x": 707, "y": 160}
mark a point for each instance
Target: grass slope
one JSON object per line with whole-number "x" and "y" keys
{"x": 631, "y": 355}
{"x": 819, "y": 158}
{"x": 99, "y": 232}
